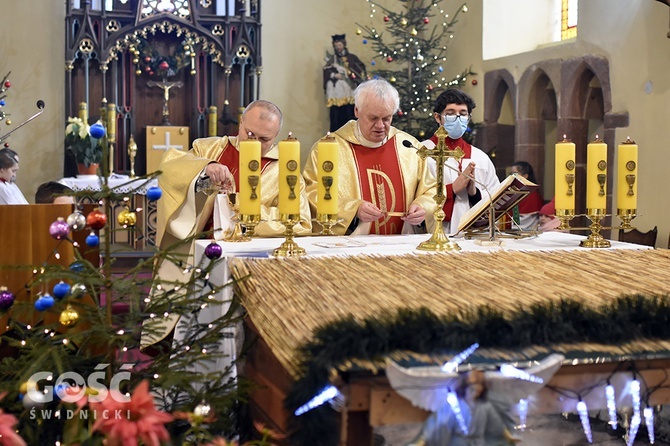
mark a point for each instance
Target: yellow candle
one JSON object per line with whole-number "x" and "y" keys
{"x": 211, "y": 127}
{"x": 83, "y": 112}
{"x": 627, "y": 175}
{"x": 250, "y": 177}
{"x": 111, "y": 122}
{"x": 327, "y": 176}
{"x": 596, "y": 175}
{"x": 565, "y": 175}
{"x": 289, "y": 176}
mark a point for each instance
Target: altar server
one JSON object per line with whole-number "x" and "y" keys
{"x": 9, "y": 191}
{"x": 384, "y": 186}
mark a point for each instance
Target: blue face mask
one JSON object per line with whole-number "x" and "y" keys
{"x": 455, "y": 128}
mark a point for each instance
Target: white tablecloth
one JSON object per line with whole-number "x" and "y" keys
{"x": 120, "y": 183}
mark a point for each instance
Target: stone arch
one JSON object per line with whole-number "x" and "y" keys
{"x": 496, "y": 138}
{"x": 536, "y": 121}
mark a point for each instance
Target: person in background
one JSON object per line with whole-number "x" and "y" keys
{"x": 529, "y": 207}
{"x": 452, "y": 110}
{"x": 53, "y": 192}
{"x": 548, "y": 220}
{"x": 384, "y": 187}
{"x": 9, "y": 191}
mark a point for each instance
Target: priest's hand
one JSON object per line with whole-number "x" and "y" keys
{"x": 415, "y": 215}
{"x": 368, "y": 212}
{"x": 219, "y": 174}
{"x": 463, "y": 182}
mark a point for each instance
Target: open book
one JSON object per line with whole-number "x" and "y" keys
{"x": 510, "y": 192}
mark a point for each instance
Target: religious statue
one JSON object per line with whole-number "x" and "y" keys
{"x": 471, "y": 408}
{"x": 342, "y": 73}
{"x": 166, "y": 86}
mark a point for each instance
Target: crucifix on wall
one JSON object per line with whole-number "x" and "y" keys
{"x": 166, "y": 86}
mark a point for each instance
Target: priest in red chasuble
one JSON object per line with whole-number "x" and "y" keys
{"x": 384, "y": 186}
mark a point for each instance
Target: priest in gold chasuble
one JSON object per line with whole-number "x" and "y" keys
{"x": 184, "y": 211}
{"x": 384, "y": 186}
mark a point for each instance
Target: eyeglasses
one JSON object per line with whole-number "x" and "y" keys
{"x": 452, "y": 117}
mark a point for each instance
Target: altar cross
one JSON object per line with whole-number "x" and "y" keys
{"x": 440, "y": 153}
{"x": 167, "y": 144}
{"x": 166, "y": 86}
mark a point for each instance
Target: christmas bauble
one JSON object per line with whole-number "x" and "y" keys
{"x": 59, "y": 229}
{"x": 76, "y": 267}
{"x": 389, "y": 59}
{"x": 365, "y": 41}
{"x": 154, "y": 193}
{"x": 474, "y": 82}
{"x": 414, "y": 32}
{"x": 8, "y": 84}
{"x": 426, "y": 20}
{"x": 392, "y": 79}
{"x": 403, "y": 22}
{"x": 213, "y": 251}
{"x": 60, "y": 290}
{"x": 126, "y": 218}
{"x": 76, "y": 221}
{"x": 202, "y": 410}
{"x": 6, "y": 144}
{"x": 440, "y": 69}
{"x": 373, "y": 63}
{"x": 147, "y": 59}
{"x": 387, "y": 18}
{"x": 69, "y": 317}
{"x": 33, "y": 400}
{"x": 92, "y": 240}
{"x": 44, "y": 302}
{"x": 359, "y": 32}
{"x": 164, "y": 65}
{"x": 96, "y": 219}
{"x": 8, "y": 122}
{"x": 2, "y": 102}
{"x": 78, "y": 290}
{"x": 6, "y": 298}
{"x": 97, "y": 130}
{"x": 138, "y": 72}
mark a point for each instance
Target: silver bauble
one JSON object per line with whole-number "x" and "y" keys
{"x": 76, "y": 221}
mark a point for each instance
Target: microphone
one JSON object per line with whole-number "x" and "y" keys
{"x": 408, "y": 143}
{"x": 40, "y": 105}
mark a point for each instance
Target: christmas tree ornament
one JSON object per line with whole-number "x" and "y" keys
{"x": 6, "y": 144}
{"x": 403, "y": 21}
{"x": 96, "y": 219}
{"x": 97, "y": 130}
{"x": 426, "y": 20}
{"x": 2, "y": 102}
{"x": 76, "y": 221}
{"x": 126, "y": 217}
{"x": 202, "y": 410}
{"x": 92, "y": 240}
{"x": 389, "y": 59}
{"x": 69, "y": 317}
{"x": 440, "y": 69}
{"x": 60, "y": 290}
{"x": 386, "y": 18}
{"x": 154, "y": 193}
{"x": 44, "y": 302}
{"x": 365, "y": 41}
{"x": 8, "y": 84}
{"x": 163, "y": 65}
{"x": 33, "y": 400}
{"x": 59, "y": 229}
{"x": 474, "y": 82}
{"x": 422, "y": 133}
{"x": 359, "y": 32}
{"x": 8, "y": 122}
{"x": 78, "y": 290}
{"x": 6, "y": 298}
{"x": 414, "y": 32}
{"x": 76, "y": 266}
{"x": 23, "y": 388}
{"x": 213, "y": 251}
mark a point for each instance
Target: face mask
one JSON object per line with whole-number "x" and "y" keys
{"x": 456, "y": 128}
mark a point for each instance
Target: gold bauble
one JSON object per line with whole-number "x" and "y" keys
{"x": 414, "y": 32}
{"x": 69, "y": 317}
{"x": 138, "y": 72}
{"x": 422, "y": 134}
{"x": 9, "y": 122}
{"x": 392, "y": 79}
{"x": 359, "y": 32}
{"x": 403, "y": 21}
{"x": 127, "y": 218}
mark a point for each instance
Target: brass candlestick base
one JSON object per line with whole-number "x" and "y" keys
{"x": 595, "y": 239}
{"x": 626, "y": 215}
{"x": 565, "y": 215}
{"x": 327, "y": 221}
{"x": 289, "y": 248}
{"x": 438, "y": 242}
{"x": 249, "y": 221}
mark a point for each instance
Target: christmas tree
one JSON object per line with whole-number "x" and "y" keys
{"x": 72, "y": 371}
{"x": 411, "y": 43}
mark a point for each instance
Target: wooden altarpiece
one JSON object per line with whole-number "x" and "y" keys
{"x": 115, "y": 48}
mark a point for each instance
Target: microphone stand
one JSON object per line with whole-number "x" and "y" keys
{"x": 40, "y": 105}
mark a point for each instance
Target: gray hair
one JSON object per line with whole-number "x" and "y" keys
{"x": 269, "y": 110}
{"x": 380, "y": 88}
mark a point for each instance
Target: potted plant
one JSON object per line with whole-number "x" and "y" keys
{"x": 87, "y": 150}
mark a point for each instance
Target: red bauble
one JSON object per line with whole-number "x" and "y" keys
{"x": 400, "y": 113}
{"x": 96, "y": 219}
{"x": 147, "y": 59}
{"x": 426, "y": 20}
{"x": 474, "y": 82}
{"x": 6, "y": 144}
{"x": 8, "y": 84}
{"x": 148, "y": 69}
{"x": 430, "y": 88}
{"x": 389, "y": 59}
{"x": 163, "y": 65}
{"x": 386, "y": 18}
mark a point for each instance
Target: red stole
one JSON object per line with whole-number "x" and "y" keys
{"x": 230, "y": 157}
{"x": 381, "y": 182}
{"x": 452, "y": 144}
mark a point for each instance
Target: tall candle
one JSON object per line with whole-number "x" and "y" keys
{"x": 327, "y": 176}
{"x": 627, "y": 175}
{"x": 211, "y": 123}
{"x": 565, "y": 175}
{"x": 83, "y": 112}
{"x": 596, "y": 175}
{"x": 289, "y": 176}
{"x": 111, "y": 122}
{"x": 250, "y": 177}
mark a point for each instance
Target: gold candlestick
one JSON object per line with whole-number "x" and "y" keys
{"x": 595, "y": 239}
{"x": 565, "y": 215}
{"x": 327, "y": 221}
{"x": 235, "y": 234}
{"x": 439, "y": 241}
{"x": 289, "y": 248}
{"x": 626, "y": 215}
{"x": 250, "y": 221}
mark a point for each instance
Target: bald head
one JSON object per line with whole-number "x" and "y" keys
{"x": 263, "y": 120}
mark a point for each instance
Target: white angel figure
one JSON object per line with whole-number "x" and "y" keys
{"x": 480, "y": 413}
